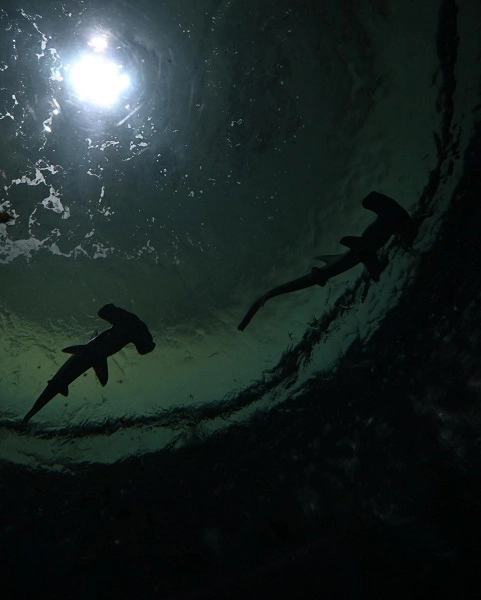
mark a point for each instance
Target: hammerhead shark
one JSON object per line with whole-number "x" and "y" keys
{"x": 391, "y": 219}
{"x": 126, "y": 328}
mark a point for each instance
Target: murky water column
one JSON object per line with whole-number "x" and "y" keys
{"x": 239, "y": 144}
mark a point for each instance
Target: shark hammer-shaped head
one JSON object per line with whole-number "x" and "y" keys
{"x": 135, "y": 328}
{"x": 393, "y": 214}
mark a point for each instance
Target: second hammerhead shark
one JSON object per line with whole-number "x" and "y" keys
{"x": 391, "y": 219}
{"x": 126, "y": 328}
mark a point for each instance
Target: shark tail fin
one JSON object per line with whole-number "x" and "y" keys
{"x": 75, "y": 349}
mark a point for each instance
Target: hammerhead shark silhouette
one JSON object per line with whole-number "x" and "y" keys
{"x": 391, "y": 219}
{"x": 126, "y": 328}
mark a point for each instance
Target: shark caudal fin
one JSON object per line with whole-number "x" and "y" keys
{"x": 48, "y": 393}
{"x": 28, "y": 416}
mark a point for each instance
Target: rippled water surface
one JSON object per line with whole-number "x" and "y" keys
{"x": 234, "y": 142}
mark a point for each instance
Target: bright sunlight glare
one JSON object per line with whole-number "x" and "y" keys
{"x": 98, "y": 43}
{"x": 98, "y": 81}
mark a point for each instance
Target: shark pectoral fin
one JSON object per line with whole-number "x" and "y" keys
{"x": 102, "y": 371}
{"x": 373, "y": 265}
{"x": 64, "y": 391}
{"x": 328, "y": 259}
{"x": 353, "y": 243}
{"x": 75, "y": 349}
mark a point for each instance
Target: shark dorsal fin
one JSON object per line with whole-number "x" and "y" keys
{"x": 75, "y": 349}
{"x": 328, "y": 259}
{"x": 353, "y": 243}
{"x": 102, "y": 371}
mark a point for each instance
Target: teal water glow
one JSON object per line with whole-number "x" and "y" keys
{"x": 242, "y": 146}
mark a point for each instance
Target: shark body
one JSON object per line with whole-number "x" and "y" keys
{"x": 391, "y": 219}
{"x": 126, "y": 328}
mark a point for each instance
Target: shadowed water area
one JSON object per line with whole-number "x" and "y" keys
{"x": 333, "y": 444}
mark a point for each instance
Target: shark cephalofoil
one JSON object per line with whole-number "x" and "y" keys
{"x": 126, "y": 328}
{"x": 391, "y": 219}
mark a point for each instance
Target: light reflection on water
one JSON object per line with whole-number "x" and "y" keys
{"x": 224, "y": 168}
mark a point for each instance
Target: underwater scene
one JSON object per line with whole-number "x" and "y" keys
{"x": 239, "y": 289}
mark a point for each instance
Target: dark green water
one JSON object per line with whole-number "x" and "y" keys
{"x": 333, "y": 445}
{"x": 240, "y": 148}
